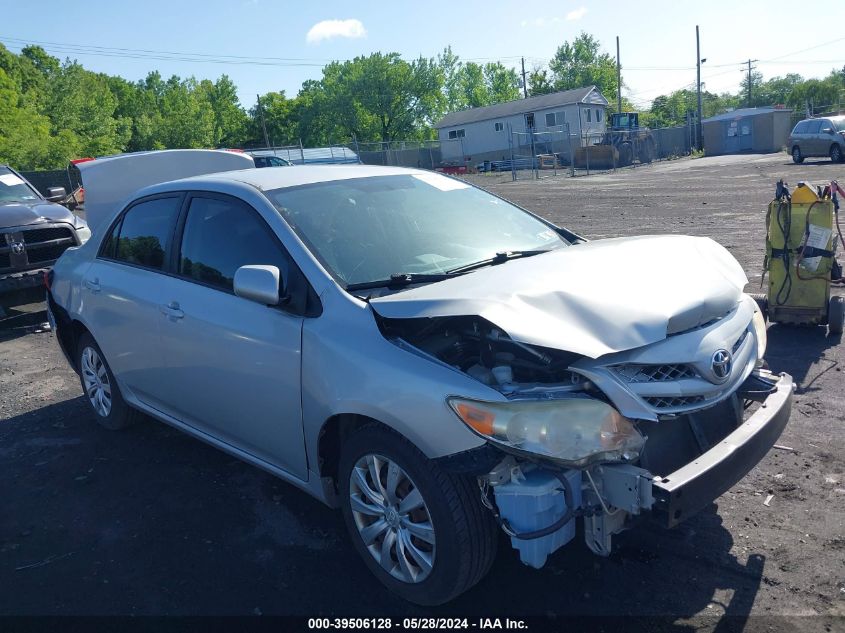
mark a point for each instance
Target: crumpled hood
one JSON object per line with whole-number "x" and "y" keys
{"x": 592, "y": 299}
{"x": 23, "y": 213}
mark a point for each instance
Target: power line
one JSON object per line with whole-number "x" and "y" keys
{"x": 183, "y": 56}
{"x": 804, "y": 50}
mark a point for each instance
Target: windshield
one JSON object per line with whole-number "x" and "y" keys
{"x": 838, "y": 123}
{"x": 13, "y": 189}
{"x": 367, "y": 229}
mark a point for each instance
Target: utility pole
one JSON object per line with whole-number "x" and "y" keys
{"x": 524, "y": 83}
{"x": 749, "y": 62}
{"x": 618, "y": 79}
{"x": 699, "y": 129}
{"x": 263, "y": 122}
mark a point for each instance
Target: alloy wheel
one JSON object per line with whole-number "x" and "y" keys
{"x": 392, "y": 518}
{"x": 96, "y": 381}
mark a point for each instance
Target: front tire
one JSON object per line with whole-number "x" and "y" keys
{"x": 797, "y": 158}
{"x": 421, "y": 531}
{"x": 835, "y": 153}
{"x": 100, "y": 388}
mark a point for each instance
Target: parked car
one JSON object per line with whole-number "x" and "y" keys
{"x": 818, "y": 137}
{"x": 436, "y": 362}
{"x": 271, "y": 161}
{"x": 34, "y": 231}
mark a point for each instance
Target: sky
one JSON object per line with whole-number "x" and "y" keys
{"x": 273, "y": 45}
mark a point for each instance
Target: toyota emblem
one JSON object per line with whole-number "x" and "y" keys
{"x": 721, "y": 364}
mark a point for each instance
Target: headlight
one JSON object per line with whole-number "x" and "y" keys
{"x": 759, "y": 322}
{"x": 82, "y": 230}
{"x": 574, "y": 431}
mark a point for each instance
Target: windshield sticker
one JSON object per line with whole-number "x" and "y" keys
{"x": 10, "y": 180}
{"x": 546, "y": 235}
{"x": 441, "y": 182}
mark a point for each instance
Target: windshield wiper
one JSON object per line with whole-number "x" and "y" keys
{"x": 399, "y": 280}
{"x": 498, "y": 258}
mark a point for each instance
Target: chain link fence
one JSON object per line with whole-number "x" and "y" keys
{"x": 446, "y": 155}
{"x": 548, "y": 154}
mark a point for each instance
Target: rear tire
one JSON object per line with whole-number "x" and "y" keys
{"x": 797, "y": 157}
{"x": 836, "y": 153}
{"x": 462, "y": 532}
{"x": 100, "y": 388}
{"x": 835, "y": 315}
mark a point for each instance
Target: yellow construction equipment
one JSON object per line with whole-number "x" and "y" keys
{"x": 802, "y": 231}
{"x": 620, "y": 146}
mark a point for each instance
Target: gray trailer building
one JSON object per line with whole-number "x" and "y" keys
{"x": 759, "y": 130}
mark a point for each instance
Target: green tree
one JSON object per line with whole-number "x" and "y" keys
{"x": 474, "y": 90}
{"x": 229, "y": 119}
{"x": 187, "y": 119}
{"x": 281, "y": 116}
{"x": 380, "y": 97}
{"x": 580, "y": 63}
{"x": 502, "y": 83}
{"x": 450, "y": 65}
{"x": 539, "y": 82}
{"x": 81, "y": 103}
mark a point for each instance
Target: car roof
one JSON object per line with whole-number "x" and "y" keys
{"x": 279, "y": 178}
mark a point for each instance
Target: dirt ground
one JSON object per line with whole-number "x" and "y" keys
{"x": 149, "y": 521}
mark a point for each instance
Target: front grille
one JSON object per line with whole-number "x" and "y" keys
{"x": 655, "y": 373}
{"x": 668, "y": 402}
{"x": 42, "y": 245}
{"x": 739, "y": 342}
{"x": 33, "y": 236}
{"x": 45, "y": 254}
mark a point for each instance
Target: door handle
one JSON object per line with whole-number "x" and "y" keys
{"x": 172, "y": 310}
{"x": 93, "y": 285}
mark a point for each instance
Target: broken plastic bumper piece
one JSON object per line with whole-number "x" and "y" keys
{"x": 684, "y": 492}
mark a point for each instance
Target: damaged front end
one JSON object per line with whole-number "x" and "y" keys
{"x": 663, "y": 429}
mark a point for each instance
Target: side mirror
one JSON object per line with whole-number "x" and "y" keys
{"x": 261, "y": 284}
{"x": 55, "y": 194}
{"x": 827, "y": 130}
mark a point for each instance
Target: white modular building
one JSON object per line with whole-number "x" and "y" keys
{"x": 479, "y": 134}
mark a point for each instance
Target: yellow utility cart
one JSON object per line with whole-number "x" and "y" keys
{"x": 801, "y": 240}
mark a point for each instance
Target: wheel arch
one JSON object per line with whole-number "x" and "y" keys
{"x": 334, "y": 432}
{"x": 77, "y": 330}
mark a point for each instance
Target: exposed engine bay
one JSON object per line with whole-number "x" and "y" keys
{"x": 483, "y": 351}
{"x": 628, "y": 465}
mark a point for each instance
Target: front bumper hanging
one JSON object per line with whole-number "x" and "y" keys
{"x": 684, "y": 492}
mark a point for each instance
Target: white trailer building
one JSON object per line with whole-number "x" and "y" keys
{"x": 480, "y": 134}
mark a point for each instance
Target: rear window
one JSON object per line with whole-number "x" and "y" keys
{"x": 143, "y": 234}
{"x": 801, "y": 128}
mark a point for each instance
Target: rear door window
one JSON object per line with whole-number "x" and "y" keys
{"x": 143, "y": 234}
{"x": 813, "y": 127}
{"x": 220, "y": 236}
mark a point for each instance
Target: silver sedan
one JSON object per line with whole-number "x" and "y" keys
{"x": 438, "y": 363}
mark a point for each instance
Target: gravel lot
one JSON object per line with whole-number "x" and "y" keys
{"x": 149, "y": 521}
